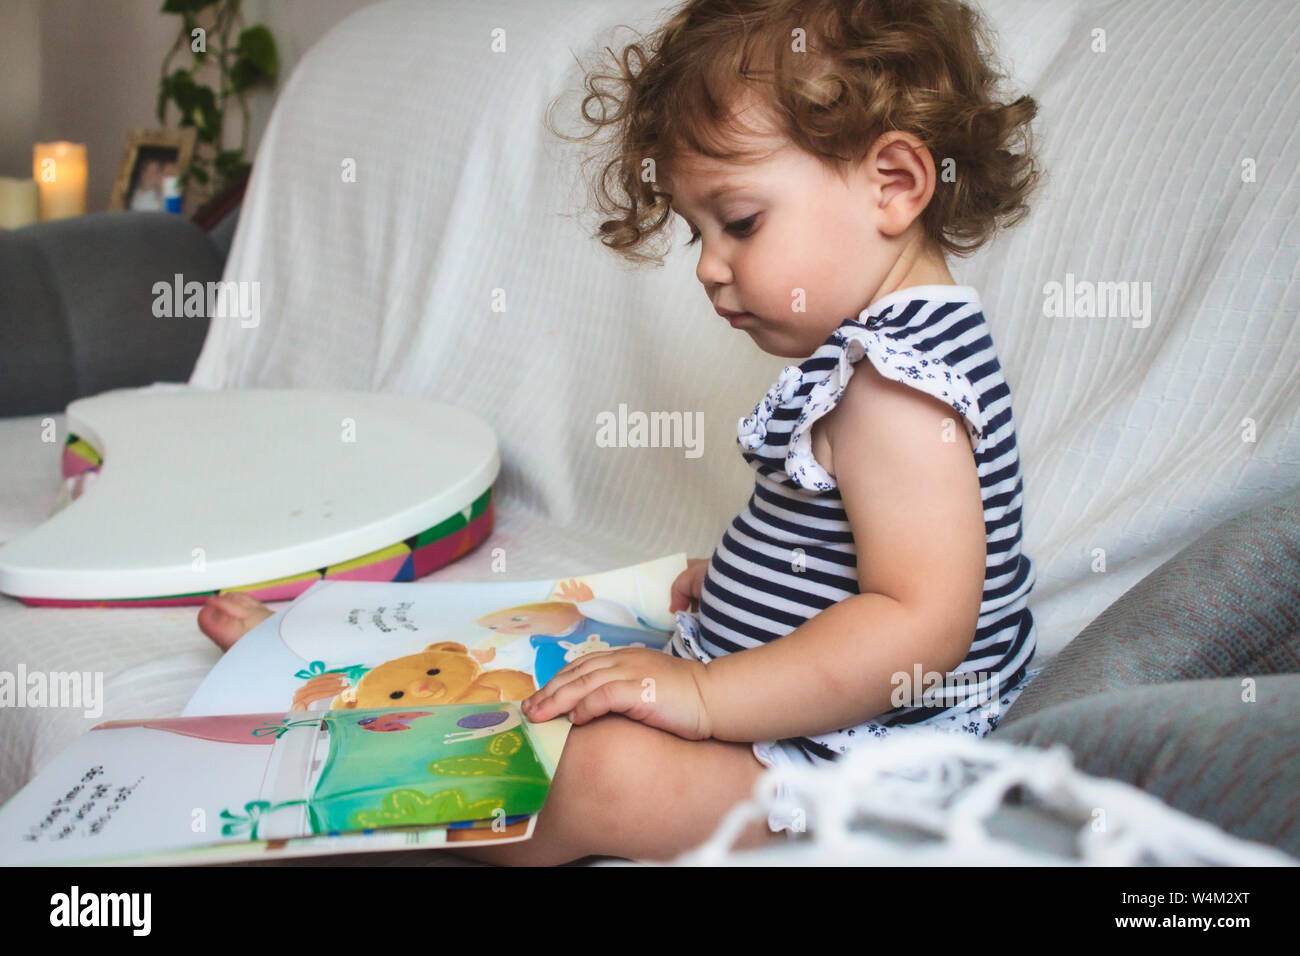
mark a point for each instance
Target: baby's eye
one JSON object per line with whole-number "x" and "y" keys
{"x": 740, "y": 228}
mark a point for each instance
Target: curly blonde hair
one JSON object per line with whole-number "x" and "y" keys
{"x": 835, "y": 75}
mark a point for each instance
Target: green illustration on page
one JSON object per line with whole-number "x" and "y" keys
{"x": 366, "y": 769}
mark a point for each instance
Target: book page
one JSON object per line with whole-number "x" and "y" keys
{"x": 344, "y": 644}
{"x": 239, "y": 785}
{"x": 364, "y": 716}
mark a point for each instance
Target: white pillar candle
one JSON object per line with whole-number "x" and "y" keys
{"x": 20, "y": 203}
{"x": 60, "y": 173}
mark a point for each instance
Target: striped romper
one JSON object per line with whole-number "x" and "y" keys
{"x": 791, "y": 554}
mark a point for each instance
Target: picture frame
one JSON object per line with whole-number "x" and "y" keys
{"x": 150, "y": 155}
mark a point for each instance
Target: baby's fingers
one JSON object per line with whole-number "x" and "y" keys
{"x": 569, "y": 688}
{"x": 681, "y": 598}
{"x": 574, "y": 670}
{"x": 612, "y": 697}
{"x": 686, "y": 588}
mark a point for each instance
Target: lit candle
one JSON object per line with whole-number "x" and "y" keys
{"x": 20, "y": 202}
{"x": 60, "y": 172}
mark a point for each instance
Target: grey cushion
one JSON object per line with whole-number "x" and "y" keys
{"x": 76, "y": 306}
{"x": 1151, "y": 691}
{"x": 1226, "y": 605}
{"x": 1196, "y": 745}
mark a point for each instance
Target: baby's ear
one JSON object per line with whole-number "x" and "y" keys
{"x": 451, "y": 647}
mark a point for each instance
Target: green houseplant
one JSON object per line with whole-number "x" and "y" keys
{"x": 247, "y": 61}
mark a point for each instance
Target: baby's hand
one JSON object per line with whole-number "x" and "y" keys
{"x": 689, "y": 585}
{"x": 646, "y": 685}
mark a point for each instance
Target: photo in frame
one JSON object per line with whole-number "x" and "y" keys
{"x": 150, "y": 157}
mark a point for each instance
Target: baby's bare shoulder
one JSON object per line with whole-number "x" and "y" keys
{"x": 878, "y": 420}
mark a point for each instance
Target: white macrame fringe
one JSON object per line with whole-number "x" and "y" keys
{"x": 948, "y": 786}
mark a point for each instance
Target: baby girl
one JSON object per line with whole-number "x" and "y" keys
{"x": 826, "y": 156}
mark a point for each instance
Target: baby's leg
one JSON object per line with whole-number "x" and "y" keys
{"x": 627, "y": 790}
{"x": 228, "y": 617}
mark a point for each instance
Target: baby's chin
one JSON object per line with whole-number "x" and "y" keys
{"x": 781, "y": 346}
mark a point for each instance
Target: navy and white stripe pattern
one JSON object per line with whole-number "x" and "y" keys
{"x": 790, "y": 554}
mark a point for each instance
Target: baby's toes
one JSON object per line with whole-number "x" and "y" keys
{"x": 243, "y": 605}
{"x": 221, "y": 627}
{"x": 228, "y": 617}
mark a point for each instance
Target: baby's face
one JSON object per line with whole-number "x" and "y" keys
{"x": 794, "y": 245}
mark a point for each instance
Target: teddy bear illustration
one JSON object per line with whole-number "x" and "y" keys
{"x": 442, "y": 673}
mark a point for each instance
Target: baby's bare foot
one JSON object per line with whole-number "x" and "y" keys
{"x": 228, "y": 617}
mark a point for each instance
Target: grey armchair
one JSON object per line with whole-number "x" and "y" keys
{"x": 76, "y": 305}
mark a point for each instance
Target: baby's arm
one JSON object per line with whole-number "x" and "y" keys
{"x": 909, "y": 485}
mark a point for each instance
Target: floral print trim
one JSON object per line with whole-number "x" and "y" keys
{"x": 751, "y": 431}
{"x": 685, "y": 641}
{"x": 895, "y": 360}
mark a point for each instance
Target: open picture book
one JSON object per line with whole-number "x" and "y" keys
{"x": 362, "y": 717}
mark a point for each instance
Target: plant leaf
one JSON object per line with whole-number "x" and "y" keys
{"x": 204, "y": 112}
{"x": 243, "y": 74}
{"x": 258, "y": 46}
{"x": 228, "y": 160}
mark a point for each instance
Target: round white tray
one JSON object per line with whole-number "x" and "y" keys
{"x": 202, "y": 490}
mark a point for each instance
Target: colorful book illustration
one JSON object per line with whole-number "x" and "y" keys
{"x": 365, "y": 716}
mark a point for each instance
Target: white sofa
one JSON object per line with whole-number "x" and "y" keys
{"x": 1131, "y": 437}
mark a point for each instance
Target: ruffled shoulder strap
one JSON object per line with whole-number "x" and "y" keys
{"x": 895, "y": 357}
